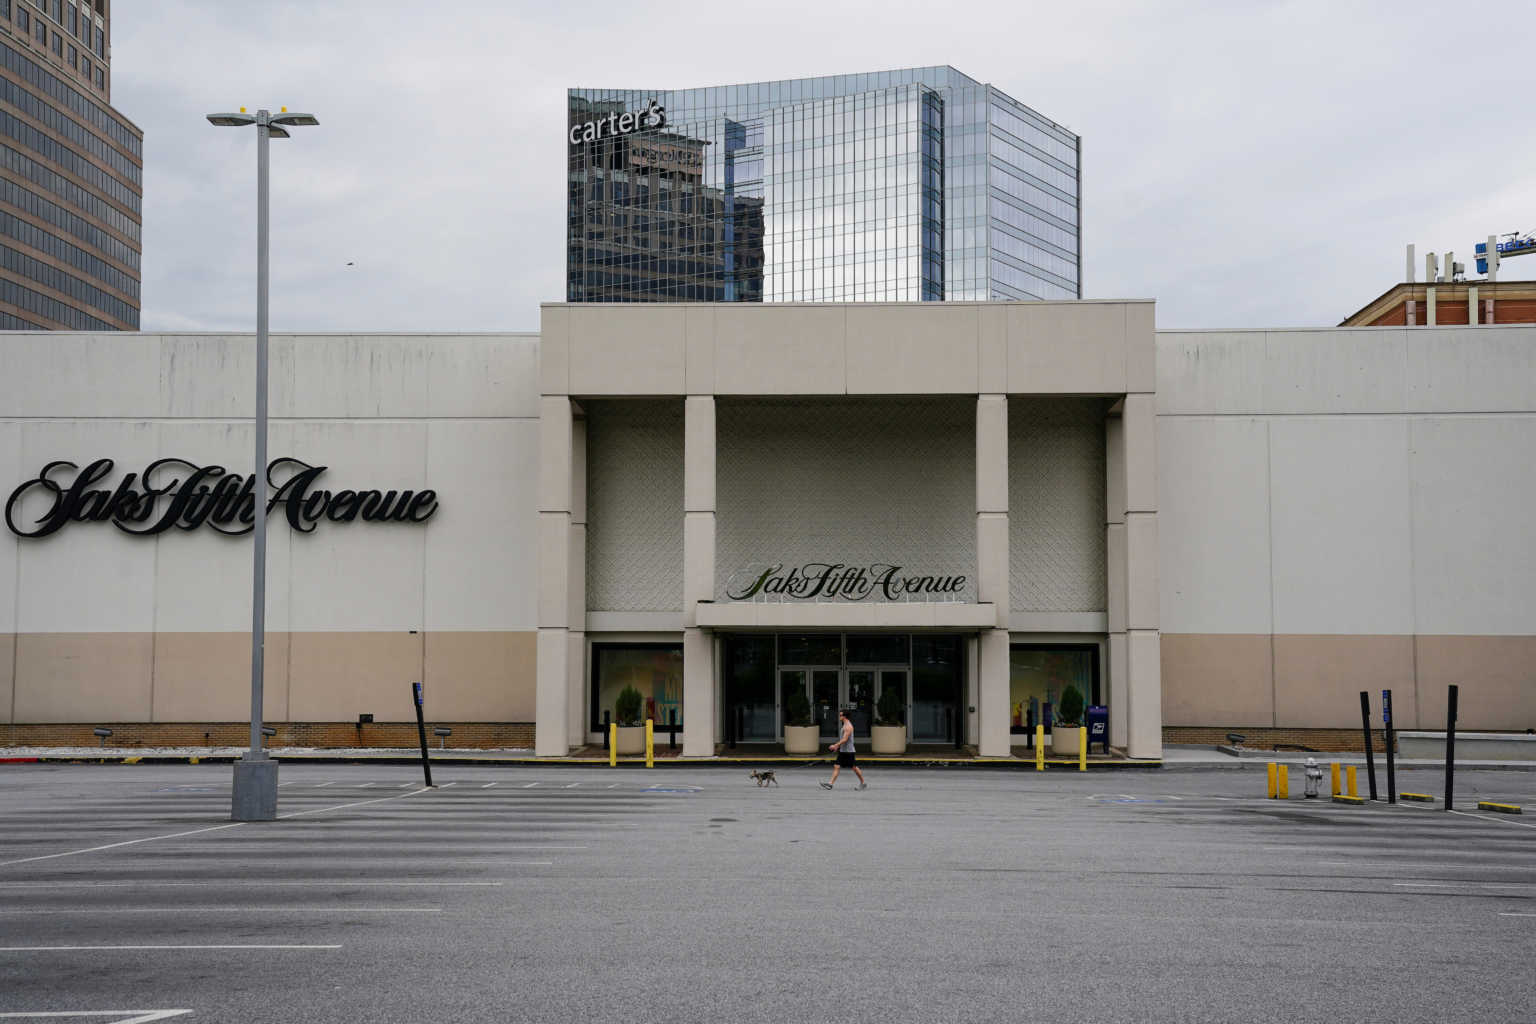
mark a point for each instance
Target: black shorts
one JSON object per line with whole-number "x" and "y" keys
{"x": 845, "y": 758}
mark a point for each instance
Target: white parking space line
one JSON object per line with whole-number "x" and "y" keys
{"x": 126, "y": 842}
{"x": 232, "y": 909}
{"x": 341, "y": 807}
{"x": 119, "y": 1016}
{"x": 1494, "y": 817}
{"x": 488, "y": 785}
{"x": 529, "y": 785}
{"x": 346, "y": 883}
{"x": 95, "y": 949}
{"x": 1514, "y": 913}
{"x": 571, "y": 786}
{"x": 1473, "y": 885}
{"x": 322, "y": 785}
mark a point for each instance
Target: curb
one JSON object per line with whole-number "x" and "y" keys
{"x": 1353, "y": 801}
{"x": 989, "y": 764}
{"x": 1489, "y": 805}
{"x": 1418, "y": 798}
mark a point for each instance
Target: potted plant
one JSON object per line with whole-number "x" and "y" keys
{"x": 626, "y": 714}
{"x": 1069, "y": 718}
{"x": 889, "y": 735}
{"x": 801, "y": 735}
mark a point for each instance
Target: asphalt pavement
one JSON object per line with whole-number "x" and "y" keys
{"x": 594, "y": 894}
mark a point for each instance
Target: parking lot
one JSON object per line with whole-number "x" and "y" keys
{"x": 589, "y": 894}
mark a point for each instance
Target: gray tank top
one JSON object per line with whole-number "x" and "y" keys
{"x": 848, "y": 745}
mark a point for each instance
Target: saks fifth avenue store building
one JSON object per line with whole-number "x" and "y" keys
{"x": 973, "y": 504}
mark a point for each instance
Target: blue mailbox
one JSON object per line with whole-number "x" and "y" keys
{"x": 1097, "y": 721}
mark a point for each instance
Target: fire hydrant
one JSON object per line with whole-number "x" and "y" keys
{"x": 1314, "y": 778}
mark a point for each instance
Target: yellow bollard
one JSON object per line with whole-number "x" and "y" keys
{"x": 1082, "y": 748}
{"x": 1335, "y": 767}
{"x": 650, "y": 749}
{"x": 1270, "y": 792}
{"x": 1349, "y": 776}
{"x": 613, "y": 744}
{"x": 1039, "y": 748}
{"x": 1285, "y": 791}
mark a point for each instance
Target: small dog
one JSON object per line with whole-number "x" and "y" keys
{"x": 763, "y": 778}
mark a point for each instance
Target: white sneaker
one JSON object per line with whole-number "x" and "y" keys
{"x": 826, "y": 785}
{"x": 862, "y": 785}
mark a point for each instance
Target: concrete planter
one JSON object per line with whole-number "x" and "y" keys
{"x": 631, "y": 739}
{"x": 888, "y": 739}
{"x": 1064, "y": 741}
{"x": 802, "y": 739}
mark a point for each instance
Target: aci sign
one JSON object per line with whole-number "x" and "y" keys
{"x": 614, "y": 125}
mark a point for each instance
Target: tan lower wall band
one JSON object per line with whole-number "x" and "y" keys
{"x": 325, "y": 735}
{"x": 469, "y": 676}
{"x": 1294, "y": 681}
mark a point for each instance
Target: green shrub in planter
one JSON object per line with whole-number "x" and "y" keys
{"x": 892, "y": 707}
{"x": 626, "y": 707}
{"x": 797, "y": 708}
{"x": 1070, "y": 711}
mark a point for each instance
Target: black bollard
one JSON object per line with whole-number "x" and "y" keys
{"x": 421, "y": 731}
{"x": 672, "y": 729}
{"x": 1450, "y": 744}
{"x": 1365, "y": 725}
{"x": 607, "y": 718}
{"x": 1386, "y": 721}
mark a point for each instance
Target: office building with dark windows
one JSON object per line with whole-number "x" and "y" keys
{"x": 914, "y": 185}
{"x": 71, "y": 173}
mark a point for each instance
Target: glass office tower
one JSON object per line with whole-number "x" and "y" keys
{"x": 921, "y": 184}
{"x": 71, "y": 173}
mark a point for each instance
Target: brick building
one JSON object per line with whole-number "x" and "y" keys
{"x": 1448, "y": 305}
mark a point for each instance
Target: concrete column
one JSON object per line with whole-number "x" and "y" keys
{"x": 1472, "y": 306}
{"x": 992, "y": 570}
{"x": 698, "y": 693}
{"x": 577, "y": 713}
{"x": 1429, "y": 303}
{"x": 698, "y": 574}
{"x": 1115, "y": 567}
{"x": 552, "y": 699}
{"x": 1143, "y": 690}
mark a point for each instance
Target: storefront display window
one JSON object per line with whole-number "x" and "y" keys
{"x": 1038, "y": 673}
{"x": 656, "y": 670}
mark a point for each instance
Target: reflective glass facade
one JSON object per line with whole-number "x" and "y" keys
{"x": 71, "y": 174}
{"x": 913, "y": 185}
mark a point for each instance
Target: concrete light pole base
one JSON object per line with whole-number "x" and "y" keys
{"x": 255, "y": 792}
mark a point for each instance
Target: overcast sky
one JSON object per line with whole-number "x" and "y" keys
{"x": 1245, "y": 164}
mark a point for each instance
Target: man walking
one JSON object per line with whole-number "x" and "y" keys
{"x": 844, "y": 750}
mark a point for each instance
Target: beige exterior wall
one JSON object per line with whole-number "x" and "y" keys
{"x": 984, "y": 351}
{"x": 1347, "y": 510}
{"x": 99, "y": 626}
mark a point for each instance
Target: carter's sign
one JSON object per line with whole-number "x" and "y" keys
{"x": 829, "y": 581}
{"x": 177, "y": 493}
{"x": 614, "y": 125}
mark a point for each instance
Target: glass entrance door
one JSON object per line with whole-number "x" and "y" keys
{"x": 825, "y": 698}
{"x": 822, "y": 685}
{"x": 859, "y": 698}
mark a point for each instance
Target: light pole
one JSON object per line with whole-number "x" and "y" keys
{"x": 254, "y": 797}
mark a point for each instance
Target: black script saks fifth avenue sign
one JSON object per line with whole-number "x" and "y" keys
{"x": 181, "y": 494}
{"x": 828, "y": 581}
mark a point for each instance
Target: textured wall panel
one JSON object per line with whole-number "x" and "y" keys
{"x": 1056, "y": 504}
{"x": 635, "y": 505}
{"x": 857, "y": 481}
